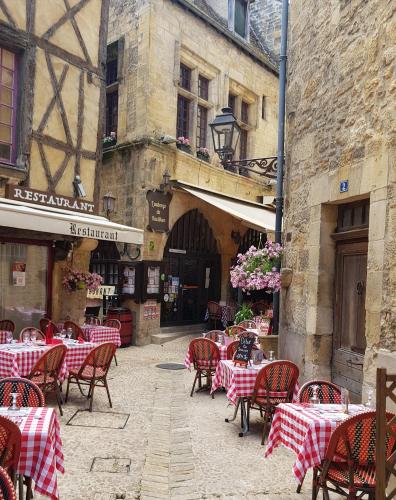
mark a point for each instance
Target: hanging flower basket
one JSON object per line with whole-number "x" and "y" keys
{"x": 78, "y": 280}
{"x": 257, "y": 269}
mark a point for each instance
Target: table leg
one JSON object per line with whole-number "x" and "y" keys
{"x": 244, "y": 420}
{"x": 235, "y": 412}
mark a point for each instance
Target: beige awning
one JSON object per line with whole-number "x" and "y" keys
{"x": 252, "y": 214}
{"x": 49, "y": 220}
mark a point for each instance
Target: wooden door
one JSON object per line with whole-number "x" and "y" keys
{"x": 349, "y": 340}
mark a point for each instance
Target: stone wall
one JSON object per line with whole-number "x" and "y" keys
{"x": 265, "y": 17}
{"x": 341, "y": 124}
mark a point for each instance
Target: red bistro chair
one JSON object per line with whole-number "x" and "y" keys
{"x": 205, "y": 355}
{"x": 92, "y": 320}
{"x": 328, "y": 393}
{"x": 45, "y": 324}
{"x": 7, "y": 490}
{"x": 215, "y": 311}
{"x": 7, "y": 325}
{"x": 30, "y": 329}
{"x": 214, "y": 335}
{"x": 260, "y": 307}
{"x": 236, "y": 330}
{"x": 248, "y": 323}
{"x": 274, "y": 384}
{"x": 10, "y": 446}
{"x": 45, "y": 372}
{"x": 113, "y": 323}
{"x": 77, "y": 331}
{"x": 349, "y": 464}
{"x": 32, "y": 395}
{"x": 93, "y": 372}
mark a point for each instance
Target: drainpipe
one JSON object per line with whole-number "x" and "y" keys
{"x": 281, "y": 145}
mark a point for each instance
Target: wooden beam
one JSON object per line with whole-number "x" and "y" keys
{"x": 80, "y": 123}
{"x": 7, "y": 13}
{"x": 63, "y": 146}
{"x": 66, "y": 17}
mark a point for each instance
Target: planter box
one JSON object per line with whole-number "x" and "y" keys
{"x": 269, "y": 343}
{"x": 184, "y": 147}
{"x": 203, "y": 157}
{"x": 109, "y": 144}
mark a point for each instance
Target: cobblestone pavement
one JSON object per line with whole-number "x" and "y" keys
{"x": 157, "y": 442}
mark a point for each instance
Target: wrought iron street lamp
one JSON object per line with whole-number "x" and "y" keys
{"x": 225, "y": 134}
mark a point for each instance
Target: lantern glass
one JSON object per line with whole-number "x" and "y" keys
{"x": 109, "y": 203}
{"x": 225, "y": 134}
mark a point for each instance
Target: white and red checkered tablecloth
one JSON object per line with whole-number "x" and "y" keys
{"x": 99, "y": 334}
{"x": 18, "y": 362}
{"x": 41, "y": 453}
{"x": 239, "y": 382}
{"x": 306, "y": 430}
{"x": 188, "y": 361}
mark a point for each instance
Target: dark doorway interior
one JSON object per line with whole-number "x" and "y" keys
{"x": 192, "y": 271}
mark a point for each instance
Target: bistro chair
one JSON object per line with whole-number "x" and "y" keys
{"x": 7, "y": 325}
{"x": 236, "y": 330}
{"x": 7, "y": 490}
{"x": 260, "y": 307}
{"x": 10, "y": 446}
{"x": 31, "y": 329}
{"x": 214, "y": 335}
{"x": 248, "y": 324}
{"x": 215, "y": 312}
{"x": 76, "y": 329}
{"x": 31, "y": 394}
{"x": 327, "y": 393}
{"x": 45, "y": 372}
{"x": 113, "y": 323}
{"x": 92, "y": 320}
{"x": 47, "y": 324}
{"x": 93, "y": 371}
{"x": 349, "y": 464}
{"x": 205, "y": 355}
{"x": 274, "y": 384}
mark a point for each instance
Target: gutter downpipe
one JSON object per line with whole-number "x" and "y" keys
{"x": 281, "y": 144}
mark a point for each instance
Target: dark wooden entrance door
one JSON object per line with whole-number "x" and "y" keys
{"x": 192, "y": 271}
{"x": 349, "y": 341}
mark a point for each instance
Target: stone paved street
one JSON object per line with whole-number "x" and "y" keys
{"x": 172, "y": 446}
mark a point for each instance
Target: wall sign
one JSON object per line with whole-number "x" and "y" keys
{"x": 158, "y": 211}
{"x": 19, "y": 273}
{"x": 49, "y": 200}
{"x": 101, "y": 291}
{"x": 344, "y": 186}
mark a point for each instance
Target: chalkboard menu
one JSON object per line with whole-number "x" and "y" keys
{"x": 244, "y": 349}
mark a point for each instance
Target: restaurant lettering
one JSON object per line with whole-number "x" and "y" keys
{"x": 158, "y": 211}
{"x": 89, "y": 232}
{"x": 48, "y": 199}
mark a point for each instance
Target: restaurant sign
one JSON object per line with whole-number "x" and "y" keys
{"x": 158, "y": 211}
{"x": 49, "y": 199}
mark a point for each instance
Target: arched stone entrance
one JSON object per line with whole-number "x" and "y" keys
{"x": 192, "y": 269}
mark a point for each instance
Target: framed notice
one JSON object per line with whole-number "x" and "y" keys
{"x": 19, "y": 273}
{"x": 130, "y": 280}
{"x": 152, "y": 283}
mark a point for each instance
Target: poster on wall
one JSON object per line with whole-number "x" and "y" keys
{"x": 19, "y": 273}
{"x": 153, "y": 279}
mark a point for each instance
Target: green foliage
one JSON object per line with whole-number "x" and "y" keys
{"x": 245, "y": 312}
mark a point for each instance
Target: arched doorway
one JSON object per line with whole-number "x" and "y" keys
{"x": 192, "y": 270}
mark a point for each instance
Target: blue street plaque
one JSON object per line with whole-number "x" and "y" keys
{"x": 344, "y": 186}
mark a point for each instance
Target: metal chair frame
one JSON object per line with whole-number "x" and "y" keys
{"x": 213, "y": 335}
{"x": 39, "y": 334}
{"x": 213, "y": 356}
{"x": 7, "y": 325}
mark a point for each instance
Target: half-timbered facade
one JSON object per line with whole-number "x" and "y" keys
{"x": 51, "y": 114}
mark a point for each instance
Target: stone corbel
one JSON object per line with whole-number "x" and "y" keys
{"x": 286, "y": 276}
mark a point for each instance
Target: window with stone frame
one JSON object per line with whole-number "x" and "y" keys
{"x": 113, "y": 76}
{"x": 243, "y": 145}
{"x": 185, "y": 77}
{"x": 203, "y": 87}
{"x": 202, "y": 127}
{"x": 8, "y": 105}
{"x": 238, "y": 17}
{"x": 183, "y": 117}
{"x": 232, "y": 102}
{"x": 244, "y": 111}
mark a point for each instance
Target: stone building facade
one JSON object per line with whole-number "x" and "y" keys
{"x": 51, "y": 88}
{"x": 338, "y": 314}
{"x": 168, "y": 54}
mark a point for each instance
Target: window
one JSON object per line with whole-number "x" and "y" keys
{"x": 245, "y": 112}
{"x": 111, "y": 112}
{"x": 203, "y": 87}
{"x": 185, "y": 77}
{"x": 264, "y": 108}
{"x": 232, "y": 102}
{"x": 202, "y": 126}
{"x": 240, "y": 17}
{"x": 243, "y": 145}
{"x": 183, "y": 119}
{"x": 112, "y": 64}
{"x": 8, "y": 77}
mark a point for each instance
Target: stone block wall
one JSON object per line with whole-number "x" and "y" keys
{"x": 341, "y": 124}
{"x": 265, "y": 17}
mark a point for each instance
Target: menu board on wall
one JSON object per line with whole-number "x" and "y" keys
{"x": 129, "y": 280}
{"x": 153, "y": 280}
{"x": 19, "y": 273}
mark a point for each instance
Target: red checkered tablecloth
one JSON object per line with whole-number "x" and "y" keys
{"x": 99, "y": 334}
{"x": 18, "y": 362}
{"x": 227, "y": 314}
{"x": 239, "y": 382}
{"x": 306, "y": 430}
{"x": 41, "y": 449}
{"x": 188, "y": 361}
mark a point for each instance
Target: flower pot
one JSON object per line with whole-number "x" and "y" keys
{"x": 109, "y": 144}
{"x": 203, "y": 157}
{"x": 184, "y": 147}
